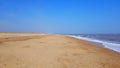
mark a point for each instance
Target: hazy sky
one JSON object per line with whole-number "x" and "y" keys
{"x": 60, "y": 16}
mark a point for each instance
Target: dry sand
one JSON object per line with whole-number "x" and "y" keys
{"x": 53, "y": 51}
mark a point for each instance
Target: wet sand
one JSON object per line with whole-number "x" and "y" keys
{"x": 53, "y": 51}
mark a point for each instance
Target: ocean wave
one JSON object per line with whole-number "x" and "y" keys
{"x": 106, "y": 44}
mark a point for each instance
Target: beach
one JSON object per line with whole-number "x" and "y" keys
{"x": 32, "y": 50}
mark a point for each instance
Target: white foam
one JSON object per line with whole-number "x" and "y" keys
{"x": 109, "y": 45}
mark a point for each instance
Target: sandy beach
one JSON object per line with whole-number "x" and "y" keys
{"x": 25, "y": 50}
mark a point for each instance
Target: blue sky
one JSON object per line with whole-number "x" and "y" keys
{"x": 60, "y": 16}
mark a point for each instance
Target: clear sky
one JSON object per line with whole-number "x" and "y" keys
{"x": 60, "y": 16}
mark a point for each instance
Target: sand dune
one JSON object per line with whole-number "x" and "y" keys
{"x": 53, "y": 51}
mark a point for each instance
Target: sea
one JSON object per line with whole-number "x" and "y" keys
{"x": 110, "y": 41}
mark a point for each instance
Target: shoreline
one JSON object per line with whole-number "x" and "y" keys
{"x": 98, "y": 43}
